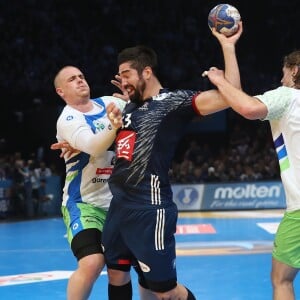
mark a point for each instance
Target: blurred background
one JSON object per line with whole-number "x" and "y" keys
{"x": 39, "y": 37}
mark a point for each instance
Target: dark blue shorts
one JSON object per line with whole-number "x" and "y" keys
{"x": 145, "y": 236}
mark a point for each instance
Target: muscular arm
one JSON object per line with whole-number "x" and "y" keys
{"x": 249, "y": 107}
{"x": 210, "y": 101}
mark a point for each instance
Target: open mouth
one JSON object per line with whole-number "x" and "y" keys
{"x": 129, "y": 89}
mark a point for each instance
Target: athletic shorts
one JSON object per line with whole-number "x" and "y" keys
{"x": 146, "y": 236}
{"x": 81, "y": 216}
{"x": 287, "y": 240}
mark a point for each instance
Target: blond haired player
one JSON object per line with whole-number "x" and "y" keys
{"x": 281, "y": 107}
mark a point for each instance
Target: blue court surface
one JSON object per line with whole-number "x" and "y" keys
{"x": 221, "y": 256}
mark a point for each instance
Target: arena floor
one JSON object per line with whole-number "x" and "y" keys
{"x": 221, "y": 256}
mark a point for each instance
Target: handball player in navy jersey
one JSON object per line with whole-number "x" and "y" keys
{"x": 141, "y": 220}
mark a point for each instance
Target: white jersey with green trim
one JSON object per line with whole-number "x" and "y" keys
{"x": 86, "y": 175}
{"x": 283, "y": 106}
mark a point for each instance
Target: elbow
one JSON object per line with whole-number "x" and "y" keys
{"x": 248, "y": 113}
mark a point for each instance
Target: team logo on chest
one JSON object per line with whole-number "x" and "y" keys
{"x": 99, "y": 126}
{"x": 125, "y": 144}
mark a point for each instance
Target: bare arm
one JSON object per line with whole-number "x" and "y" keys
{"x": 248, "y": 107}
{"x": 210, "y": 101}
{"x": 232, "y": 72}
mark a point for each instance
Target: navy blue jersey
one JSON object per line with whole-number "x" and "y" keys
{"x": 146, "y": 145}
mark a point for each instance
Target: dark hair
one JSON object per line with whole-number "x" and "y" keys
{"x": 139, "y": 58}
{"x": 291, "y": 60}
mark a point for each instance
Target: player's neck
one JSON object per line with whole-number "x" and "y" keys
{"x": 152, "y": 89}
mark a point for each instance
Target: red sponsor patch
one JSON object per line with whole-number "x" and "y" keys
{"x": 103, "y": 171}
{"x": 125, "y": 144}
{"x": 195, "y": 229}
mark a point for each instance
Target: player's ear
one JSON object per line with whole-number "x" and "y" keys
{"x": 147, "y": 72}
{"x": 59, "y": 91}
{"x": 295, "y": 70}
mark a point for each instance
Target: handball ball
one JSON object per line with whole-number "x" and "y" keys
{"x": 225, "y": 18}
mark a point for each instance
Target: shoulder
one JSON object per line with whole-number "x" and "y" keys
{"x": 280, "y": 92}
{"x": 278, "y": 101}
{"x": 69, "y": 115}
{"x": 105, "y": 100}
{"x": 178, "y": 94}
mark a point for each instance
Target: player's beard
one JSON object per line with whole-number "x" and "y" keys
{"x": 137, "y": 97}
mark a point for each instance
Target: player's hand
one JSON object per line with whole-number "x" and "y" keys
{"x": 114, "y": 114}
{"x": 223, "y": 39}
{"x": 117, "y": 82}
{"x": 215, "y": 75}
{"x": 65, "y": 147}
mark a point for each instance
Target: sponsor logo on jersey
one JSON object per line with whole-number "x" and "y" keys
{"x": 97, "y": 179}
{"x": 90, "y": 220}
{"x": 144, "y": 107}
{"x": 69, "y": 118}
{"x": 75, "y": 226}
{"x": 125, "y": 144}
{"x": 144, "y": 267}
{"x": 103, "y": 171}
{"x": 98, "y": 125}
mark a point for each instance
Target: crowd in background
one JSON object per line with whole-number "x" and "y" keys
{"x": 40, "y": 37}
{"x": 28, "y": 177}
{"x": 243, "y": 155}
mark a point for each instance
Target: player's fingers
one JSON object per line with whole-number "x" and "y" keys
{"x": 68, "y": 154}
{"x": 240, "y": 29}
{"x": 55, "y": 146}
{"x": 116, "y": 83}
{"x": 205, "y": 73}
{"x": 63, "y": 151}
{"x": 118, "y": 77}
{"x": 116, "y": 113}
{"x": 211, "y": 69}
{"x": 121, "y": 96}
{"x": 216, "y": 33}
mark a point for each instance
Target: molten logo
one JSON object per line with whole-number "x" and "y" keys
{"x": 247, "y": 192}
